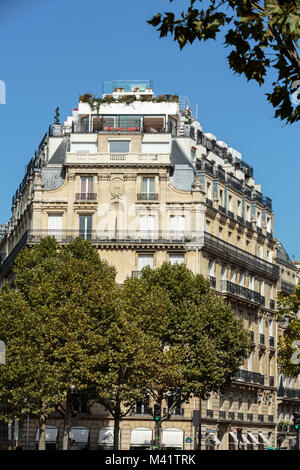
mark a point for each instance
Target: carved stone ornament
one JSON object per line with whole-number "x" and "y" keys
{"x": 116, "y": 188}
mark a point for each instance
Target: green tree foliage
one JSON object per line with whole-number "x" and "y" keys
{"x": 53, "y": 324}
{"x": 201, "y": 342}
{"x": 289, "y": 342}
{"x": 262, "y": 35}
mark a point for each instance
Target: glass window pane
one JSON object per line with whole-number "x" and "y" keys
{"x": 119, "y": 146}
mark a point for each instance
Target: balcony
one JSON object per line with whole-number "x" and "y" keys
{"x": 206, "y": 165}
{"x": 234, "y": 182}
{"x": 116, "y": 159}
{"x": 249, "y": 377}
{"x": 235, "y": 254}
{"x": 230, "y": 214}
{"x": 240, "y": 291}
{"x": 209, "y": 202}
{"x": 286, "y": 287}
{"x": 147, "y": 197}
{"x": 222, "y": 209}
{"x": 289, "y": 393}
{"x": 86, "y": 196}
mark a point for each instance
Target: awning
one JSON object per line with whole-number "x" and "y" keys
{"x": 106, "y": 436}
{"x": 141, "y": 437}
{"x": 253, "y": 438}
{"x": 51, "y": 433}
{"x": 79, "y": 434}
{"x": 266, "y": 441}
{"x": 172, "y": 438}
{"x": 245, "y": 440}
{"x": 233, "y": 436}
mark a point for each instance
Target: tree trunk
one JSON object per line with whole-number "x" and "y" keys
{"x": 42, "y": 437}
{"x": 67, "y": 422}
{"x": 116, "y": 432}
{"x": 158, "y": 427}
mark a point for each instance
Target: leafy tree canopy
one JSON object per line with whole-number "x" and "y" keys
{"x": 262, "y": 35}
{"x": 202, "y": 343}
{"x": 288, "y": 309}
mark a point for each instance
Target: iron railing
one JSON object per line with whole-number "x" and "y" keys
{"x": 240, "y": 291}
{"x": 250, "y": 377}
{"x": 147, "y": 196}
{"x": 210, "y": 241}
{"x": 86, "y": 196}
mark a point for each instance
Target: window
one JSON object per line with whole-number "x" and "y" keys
{"x": 145, "y": 260}
{"x": 55, "y": 226}
{"x": 239, "y": 208}
{"x": 86, "y": 185}
{"x": 209, "y": 195}
{"x": 224, "y": 273}
{"x": 148, "y": 185}
{"x": 147, "y": 223}
{"x": 119, "y": 146}
{"x": 85, "y": 226}
{"x": 154, "y": 148}
{"x": 250, "y": 361}
{"x": 176, "y": 258}
{"x": 177, "y": 226}
{"x": 230, "y": 203}
{"x": 221, "y": 196}
{"x": 258, "y": 219}
{"x": 211, "y": 268}
{"x": 84, "y": 147}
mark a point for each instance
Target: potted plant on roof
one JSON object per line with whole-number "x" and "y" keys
{"x": 56, "y": 127}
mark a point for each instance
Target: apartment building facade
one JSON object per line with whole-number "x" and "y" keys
{"x": 137, "y": 176}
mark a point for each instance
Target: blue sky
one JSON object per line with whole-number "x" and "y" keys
{"x": 52, "y": 51}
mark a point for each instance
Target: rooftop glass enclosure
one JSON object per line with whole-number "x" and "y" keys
{"x": 127, "y": 85}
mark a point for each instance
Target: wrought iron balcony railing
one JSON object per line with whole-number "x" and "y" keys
{"x": 240, "y": 291}
{"x": 289, "y": 393}
{"x": 239, "y": 255}
{"x": 86, "y": 196}
{"x": 249, "y": 377}
{"x": 286, "y": 286}
{"x": 147, "y": 196}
